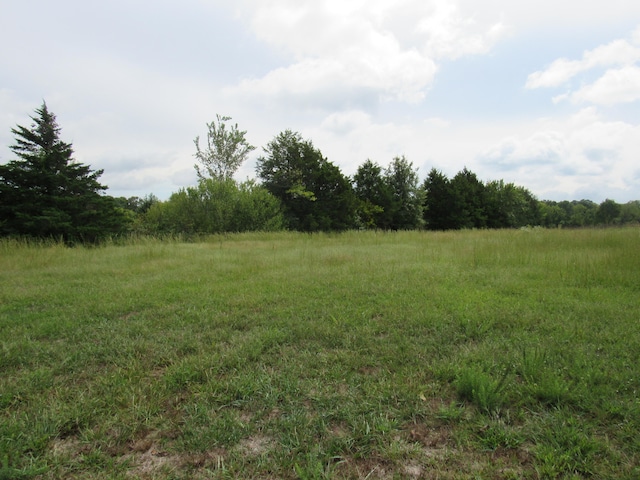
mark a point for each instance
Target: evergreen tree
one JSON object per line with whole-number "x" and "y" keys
{"x": 470, "y": 200}
{"x": 439, "y": 202}
{"x": 46, "y": 194}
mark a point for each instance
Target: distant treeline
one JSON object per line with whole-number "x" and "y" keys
{"x": 46, "y": 194}
{"x": 228, "y": 206}
{"x": 299, "y": 189}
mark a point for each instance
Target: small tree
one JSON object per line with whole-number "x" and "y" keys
{"x": 47, "y": 194}
{"x": 226, "y": 150}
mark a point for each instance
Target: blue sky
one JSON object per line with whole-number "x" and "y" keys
{"x": 544, "y": 94}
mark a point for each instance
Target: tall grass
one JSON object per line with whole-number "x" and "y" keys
{"x": 497, "y": 354}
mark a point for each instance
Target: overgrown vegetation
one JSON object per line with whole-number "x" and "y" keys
{"x": 474, "y": 354}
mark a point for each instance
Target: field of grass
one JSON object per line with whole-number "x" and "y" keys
{"x": 476, "y": 354}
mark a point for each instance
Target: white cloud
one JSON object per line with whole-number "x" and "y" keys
{"x": 571, "y": 156}
{"x": 620, "y": 82}
{"x": 448, "y": 34}
{"x": 541, "y": 148}
{"x": 355, "y": 52}
{"x": 345, "y": 122}
{"x": 618, "y": 52}
{"x": 621, "y": 85}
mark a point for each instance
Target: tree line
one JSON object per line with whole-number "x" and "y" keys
{"x": 47, "y": 194}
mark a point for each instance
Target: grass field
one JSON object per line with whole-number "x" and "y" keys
{"x": 476, "y": 354}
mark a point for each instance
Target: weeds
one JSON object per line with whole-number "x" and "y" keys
{"x": 479, "y": 388}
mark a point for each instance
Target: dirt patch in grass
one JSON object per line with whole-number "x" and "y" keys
{"x": 256, "y": 445}
{"x": 434, "y": 439}
{"x": 69, "y": 447}
{"x": 339, "y": 430}
{"x": 152, "y": 461}
{"x": 370, "y": 468}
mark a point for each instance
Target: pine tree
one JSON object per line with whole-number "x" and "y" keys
{"x": 46, "y": 194}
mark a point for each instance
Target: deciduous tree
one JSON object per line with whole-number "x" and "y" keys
{"x": 406, "y": 196}
{"x": 314, "y": 192}
{"x": 374, "y": 196}
{"x": 227, "y": 148}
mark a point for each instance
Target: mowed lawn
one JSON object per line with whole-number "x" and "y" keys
{"x": 474, "y": 354}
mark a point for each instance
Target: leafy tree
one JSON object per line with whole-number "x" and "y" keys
{"x": 469, "y": 203}
{"x": 552, "y": 214}
{"x": 583, "y": 213}
{"x": 226, "y": 150}
{"x": 374, "y": 196}
{"x": 47, "y": 194}
{"x": 315, "y": 195}
{"x": 630, "y": 212}
{"x": 137, "y": 204}
{"x": 406, "y": 196}
{"x": 608, "y": 212}
{"x": 439, "y": 198}
{"x": 510, "y": 206}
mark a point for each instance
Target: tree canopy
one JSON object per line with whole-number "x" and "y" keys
{"x": 45, "y": 193}
{"x": 315, "y": 194}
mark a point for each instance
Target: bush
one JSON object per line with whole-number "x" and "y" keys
{"x": 216, "y": 206}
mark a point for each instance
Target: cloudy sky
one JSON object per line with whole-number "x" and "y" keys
{"x": 541, "y": 93}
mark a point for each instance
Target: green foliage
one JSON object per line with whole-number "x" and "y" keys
{"x": 46, "y": 194}
{"x": 374, "y": 196}
{"x": 314, "y": 193}
{"x": 469, "y": 201}
{"x": 465, "y": 202}
{"x": 510, "y": 206}
{"x": 630, "y": 212}
{"x": 405, "y": 208}
{"x": 608, "y": 212}
{"x": 585, "y": 213}
{"x": 439, "y": 213}
{"x": 216, "y": 206}
{"x": 391, "y": 199}
{"x": 226, "y": 150}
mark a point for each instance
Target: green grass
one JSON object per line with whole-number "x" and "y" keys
{"x": 476, "y": 354}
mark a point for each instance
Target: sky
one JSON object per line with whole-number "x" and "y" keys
{"x": 544, "y": 94}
